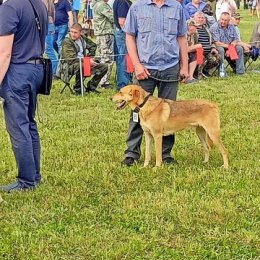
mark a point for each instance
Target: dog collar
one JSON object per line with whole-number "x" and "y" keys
{"x": 137, "y": 109}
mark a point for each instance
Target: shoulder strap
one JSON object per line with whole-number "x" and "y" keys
{"x": 37, "y": 22}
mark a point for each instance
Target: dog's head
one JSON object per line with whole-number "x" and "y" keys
{"x": 131, "y": 95}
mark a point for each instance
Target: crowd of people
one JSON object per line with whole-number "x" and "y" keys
{"x": 212, "y": 28}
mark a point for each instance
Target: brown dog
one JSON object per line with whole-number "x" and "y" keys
{"x": 160, "y": 117}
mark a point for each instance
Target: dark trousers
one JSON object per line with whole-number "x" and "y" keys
{"x": 19, "y": 90}
{"x": 165, "y": 90}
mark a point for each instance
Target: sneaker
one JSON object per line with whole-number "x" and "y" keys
{"x": 169, "y": 160}
{"x": 38, "y": 182}
{"x": 90, "y": 90}
{"x": 106, "y": 86}
{"x": 129, "y": 161}
{"x": 14, "y": 187}
{"x": 77, "y": 93}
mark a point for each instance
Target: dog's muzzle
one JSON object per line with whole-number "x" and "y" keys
{"x": 121, "y": 105}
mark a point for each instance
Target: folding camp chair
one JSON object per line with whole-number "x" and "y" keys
{"x": 67, "y": 85}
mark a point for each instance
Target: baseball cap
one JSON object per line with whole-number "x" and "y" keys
{"x": 236, "y": 15}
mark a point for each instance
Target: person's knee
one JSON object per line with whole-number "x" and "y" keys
{"x": 240, "y": 50}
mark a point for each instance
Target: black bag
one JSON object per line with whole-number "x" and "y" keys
{"x": 45, "y": 88}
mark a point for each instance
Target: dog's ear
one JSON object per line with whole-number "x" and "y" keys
{"x": 136, "y": 95}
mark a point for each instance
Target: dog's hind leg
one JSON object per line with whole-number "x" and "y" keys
{"x": 158, "y": 148}
{"x": 205, "y": 141}
{"x": 148, "y": 148}
{"x": 214, "y": 134}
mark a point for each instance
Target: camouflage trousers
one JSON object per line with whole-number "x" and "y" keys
{"x": 105, "y": 49}
{"x": 98, "y": 73}
{"x": 211, "y": 63}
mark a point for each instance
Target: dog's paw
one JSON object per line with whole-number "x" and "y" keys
{"x": 225, "y": 166}
{"x": 146, "y": 165}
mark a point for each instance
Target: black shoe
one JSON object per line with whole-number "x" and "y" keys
{"x": 129, "y": 161}
{"x": 38, "y": 182}
{"x": 77, "y": 93}
{"x": 55, "y": 77}
{"x": 169, "y": 160}
{"x": 107, "y": 86}
{"x": 15, "y": 187}
{"x": 92, "y": 90}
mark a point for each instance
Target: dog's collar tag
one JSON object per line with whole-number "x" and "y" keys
{"x": 135, "y": 117}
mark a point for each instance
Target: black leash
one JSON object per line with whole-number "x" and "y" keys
{"x": 164, "y": 80}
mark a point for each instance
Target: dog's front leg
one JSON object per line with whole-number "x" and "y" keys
{"x": 148, "y": 148}
{"x": 158, "y": 149}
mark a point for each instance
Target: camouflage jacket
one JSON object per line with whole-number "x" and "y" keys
{"x": 103, "y": 17}
{"x": 69, "y": 55}
{"x": 192, "y": 39}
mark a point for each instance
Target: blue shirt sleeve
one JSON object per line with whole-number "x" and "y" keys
{"x": 215, "y": 33}
{"x": 131, "y": 22}
{"x": 9, "y": 20}
{"x": 122, "y": 10}
{"x": 68, "y": 6}
{"x": 182, "y": 25}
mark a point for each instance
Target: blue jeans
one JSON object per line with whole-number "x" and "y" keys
{"x": 123, "y": 78}
{"x": 59, "y": 36}
{"x": 19, "y": 90}
{"x": 240, "y": 66}
{"x": 49, "y": 49}
{"x": 165, "y": 90}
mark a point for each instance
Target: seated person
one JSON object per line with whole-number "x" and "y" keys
{"x": 194, "y": 6}
{"x": 193, "y": 45}
{"x": 235, "y": 20}
{"x": 255, "y": 37}
{"x": 224, "y": 34}
{"x": 211, "y": 55}
{"x": 77, "y": 46}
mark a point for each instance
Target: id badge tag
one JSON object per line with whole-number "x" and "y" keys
{"x": 135, "y": 117}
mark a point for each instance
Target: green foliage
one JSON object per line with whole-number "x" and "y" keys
{"x": 90, "y": 207}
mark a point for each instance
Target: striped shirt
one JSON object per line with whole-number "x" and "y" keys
{"x": 204, "y": 40}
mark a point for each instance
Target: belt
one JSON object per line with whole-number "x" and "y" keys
{"x": 34, "y": 61}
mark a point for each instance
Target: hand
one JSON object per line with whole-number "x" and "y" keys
{"x": 227, "y": 53}
{"x": 92, "y": 63}
{"x": 246, "y": 49}
{"x": 184, "y": 75}
{"x": 214, "y": 51}
{"x": 141, "y": 72}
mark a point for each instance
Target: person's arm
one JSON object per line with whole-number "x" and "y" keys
{"x": 245, "y": 46}
{"x": 184, "y": 72}
{"x": 69, "y": 52}
{"x": 121, "y": 21}
{"x": 221, "y": 44}
{"x": 71, "y": 21}
{"x": 194, "y": 47}
{"x": 108, "y": 13}
{"x": 6, "y": 44}
{"x": 90, "y": 46}
{"x": 140, "y": 71}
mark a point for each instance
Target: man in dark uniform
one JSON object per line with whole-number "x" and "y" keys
{"x": 120, "y": 8}
{"x": 21, "y": 74}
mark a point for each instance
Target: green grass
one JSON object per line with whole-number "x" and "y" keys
{"x": 90, "y": 207}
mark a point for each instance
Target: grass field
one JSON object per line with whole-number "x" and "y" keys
{"x": 89, "y": 207}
